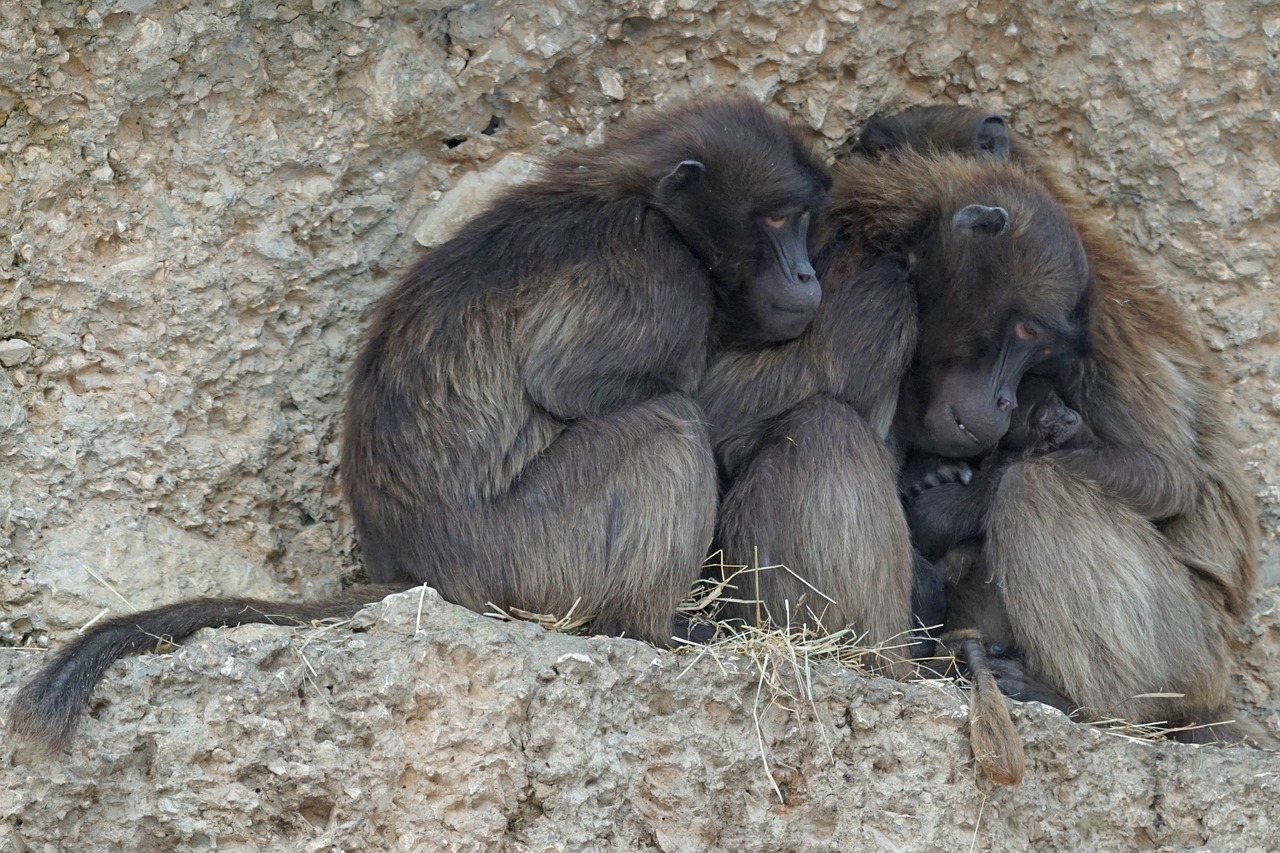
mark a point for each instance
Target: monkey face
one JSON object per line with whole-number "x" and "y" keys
{"x": 1043, "y": 421}
{"x": 756, "y": 249}
{"x": 783, "y": 290}
{"x": 745, "y": 207}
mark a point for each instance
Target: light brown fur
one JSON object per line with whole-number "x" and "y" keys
{"x": 1123, "y": 568}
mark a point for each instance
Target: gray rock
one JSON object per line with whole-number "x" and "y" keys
{"x": 14, "y": 352}
{"x": 424, "y": 726}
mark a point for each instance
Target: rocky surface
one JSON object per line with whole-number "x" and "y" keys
{"x": 426, "y": 727}
{"x": 198, "y": 203}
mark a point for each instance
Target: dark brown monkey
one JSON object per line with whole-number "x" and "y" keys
{"x": 521, "y": 429}
{"x": 1042, "y": 422}
{"x": 800, "y": 432}
{"x": 1124, "y": 566}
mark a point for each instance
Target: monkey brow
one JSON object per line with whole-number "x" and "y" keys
{"x": 1060, "y": 328}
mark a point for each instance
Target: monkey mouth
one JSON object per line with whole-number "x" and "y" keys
{"x": 791, "y": 311}
{"x": 964, "y": 430}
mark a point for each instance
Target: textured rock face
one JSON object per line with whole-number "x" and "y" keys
{"x": 199, "y": 203}
{"x": 426, "y": 727}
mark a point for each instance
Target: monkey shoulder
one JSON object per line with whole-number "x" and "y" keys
{"x": 862, "y": 342}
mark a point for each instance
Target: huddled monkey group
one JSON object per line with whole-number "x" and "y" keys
{"x": 925, "y": 379}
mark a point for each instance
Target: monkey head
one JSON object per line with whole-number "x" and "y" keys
{"x": 1001, "y": 278}
{"x": 743, "y": 195}
{"x": 1002, "y": 274}
{"x": 1043, "y": 421}
{"x": 958, "y": 130}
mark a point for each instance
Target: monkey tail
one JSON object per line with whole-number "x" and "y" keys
{"x": 996, "y": 745}
{"x": 47, "y": 709}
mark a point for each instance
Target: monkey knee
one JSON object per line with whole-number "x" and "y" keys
{"x": 1038, "y": 495}
{"x": 1022, "y": 483}
{"x": 836, "y": 421}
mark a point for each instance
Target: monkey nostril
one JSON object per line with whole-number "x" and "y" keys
{"x": 804, "y": 277}
{"x": 1003, "y": 403}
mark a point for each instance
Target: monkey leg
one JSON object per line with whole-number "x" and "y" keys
{"x": 819, "y": 496}
{"x": 612, "y": 519}
{"x": 977, "y": 610}
{"x": 1098, "y": 603}
{"x": 928, "y": 605}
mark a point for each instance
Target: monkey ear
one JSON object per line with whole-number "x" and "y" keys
{"x": 681, "y": 178}
{"x": 980, "y": 219}
{"x": 992, "y": 137}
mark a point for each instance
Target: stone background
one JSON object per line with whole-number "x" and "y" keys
{"x": 200, "y": 200}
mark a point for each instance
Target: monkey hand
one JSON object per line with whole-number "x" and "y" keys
{"x": 945, "y": 515}
{"x": 927, "y": 472}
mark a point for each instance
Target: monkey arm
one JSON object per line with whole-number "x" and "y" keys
{"x": 579, "y": 377}
{"x": 585, "y": 395}
{"x": 603, "y": 344}
{"x": 948, "y": 514}
{"x": 746, "y": 391}
{"x": 1149, "y": 485}
{"x": 864, "y": 338}
{"x": 1146, "y": 394}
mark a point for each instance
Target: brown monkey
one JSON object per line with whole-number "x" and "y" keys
{"x": 1123, "y": 567}
{"x": 800, "y": 431}
{"x": 1042, "y": 422}
{"x": 521, "y": 429}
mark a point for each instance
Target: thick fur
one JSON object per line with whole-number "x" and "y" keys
{"x": 47, "y": 709}
{"x": 1123, "y": 567}
{"x": 800, "y": 432}
{"x": 521, "y": 429}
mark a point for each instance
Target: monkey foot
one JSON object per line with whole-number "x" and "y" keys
{"x": 1016, "y": 682}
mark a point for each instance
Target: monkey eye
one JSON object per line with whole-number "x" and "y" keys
{"x": 775, "y": 222}
{"x": 1025, "y": 332}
